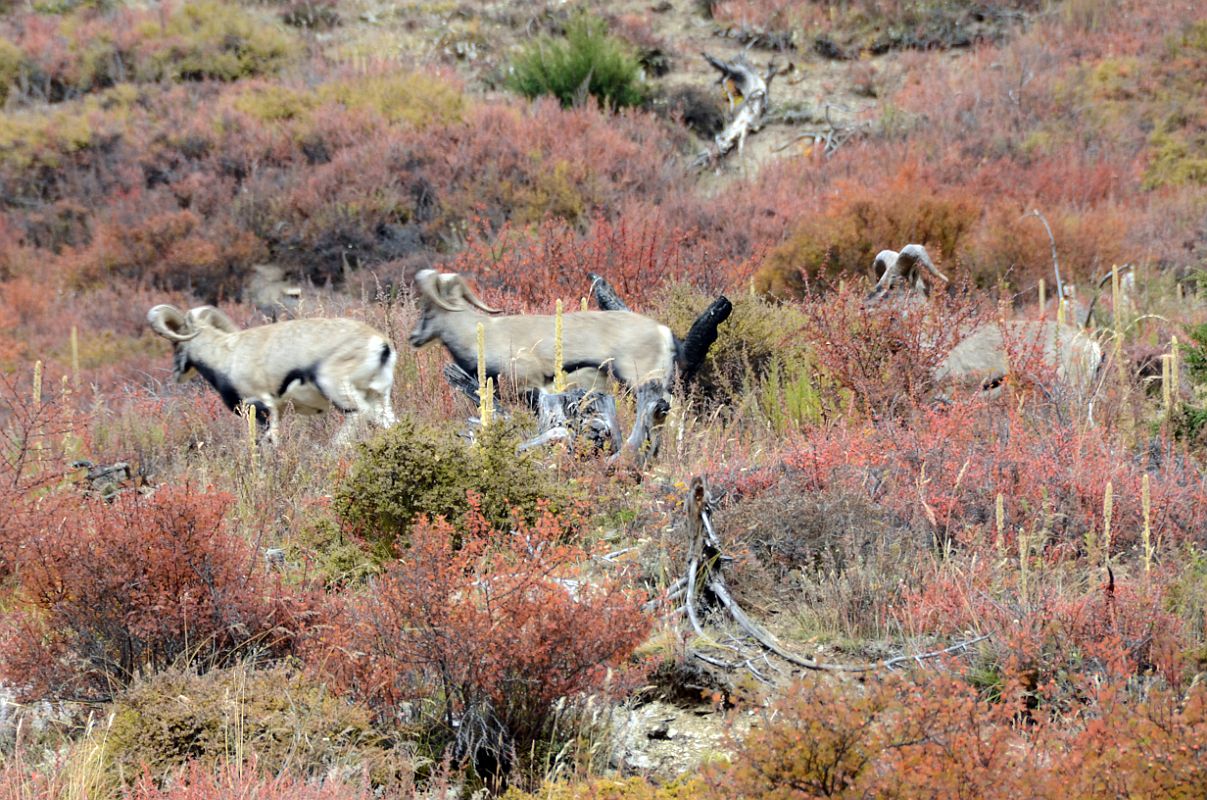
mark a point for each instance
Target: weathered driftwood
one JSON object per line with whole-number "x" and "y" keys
{"x": 829, "y": 138}
{"x": 702, "y": 336}
{"x": 576, "y": 416}
{"x": 580, "y": 416}
{"x": 605, "y": 296}
{"x": 462, "y": 381}
{"x": 739, "y": 78}
{"x": 705, "y": 588}
{"x": 645, "y": 440}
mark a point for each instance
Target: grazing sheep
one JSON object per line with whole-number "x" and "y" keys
{"x": 596, "y": 344}
{"x": 310, "y": 364}
{"x": 982, "y": 358}
{"x": 271, "y": 294}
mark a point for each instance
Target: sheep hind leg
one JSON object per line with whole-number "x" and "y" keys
{"x": 353, "y": 403}
{"x": 382, "y": 412}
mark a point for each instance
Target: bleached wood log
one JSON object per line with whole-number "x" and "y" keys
{"x": 739, "y": 78}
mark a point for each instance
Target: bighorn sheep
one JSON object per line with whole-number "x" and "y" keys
{"x": 311, "y": 364}
{"x": 596, "y": 344}
{"x": 982, "y": 358}
{"x": 270, "y": 293}
{"x": 691, "y": 350}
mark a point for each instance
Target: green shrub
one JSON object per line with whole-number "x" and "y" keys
{"x": 10, "y": 67}
{"x": 212, "y": 39}
{"x": 414, "y": 470}
{"x": 416, "y": 98}
{"x": 588, "y": 56}
{"x": 1190, "y": 420}
{"x": 275, "y": 716}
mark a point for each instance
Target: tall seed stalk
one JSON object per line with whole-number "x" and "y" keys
{"x": 559, "y": 376}
{"x": 486, "y": 388}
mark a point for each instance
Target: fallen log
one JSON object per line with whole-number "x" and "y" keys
{"x": 740, "y": 79}
{"x": 706, "y": 587}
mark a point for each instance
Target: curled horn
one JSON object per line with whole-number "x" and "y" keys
{"x": 914, "y": 254}
{"x": 432, "y": 286}
{"x": 469, "y": 295}
{"x": 214, "y": 318}
{"x": 169, "y": 323}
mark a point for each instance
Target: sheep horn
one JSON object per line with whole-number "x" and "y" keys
{"x": 169, "y": 323}
{"x": 432, "y": 286}
{"x": 215, "y": 319}
{"x": 469, "y": 295}
{"x": 913, "y": 254}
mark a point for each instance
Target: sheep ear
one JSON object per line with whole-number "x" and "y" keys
{"x": 208, "y": 315}
{"x": 469, "y": 295}
{"x": 169, "y": 323}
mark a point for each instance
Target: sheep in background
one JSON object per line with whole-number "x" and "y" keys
{"x": 982, "y": 358}
{"x": 309, "y": 364}
{"x": 271, "y": 294}
{"x": 596, "y": 344}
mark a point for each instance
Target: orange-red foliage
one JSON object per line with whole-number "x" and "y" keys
{"x": 105, "y": 592}
{"x": 933, "y": 736}
{"x": 499, "y": 620}
{"x": 882, "y": 356}
{"x": 637, "y": 253}
{"x": 243, "y": 782}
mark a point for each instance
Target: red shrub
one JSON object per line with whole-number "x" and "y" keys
{"x": 638, "y": 254}
{"x": 107, "y": 591}
{"x": 243, "y": 782}
{"x": 882, "y": 356}
{"x": 496, "y": 629}
{"x": 932, "y": 736}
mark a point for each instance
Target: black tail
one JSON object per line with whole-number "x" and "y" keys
{"x": 702, "y": 335}
{"x": 605, "y": 295}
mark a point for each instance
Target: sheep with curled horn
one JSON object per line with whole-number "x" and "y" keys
{"x": 981, "y": 359}
{"x": 272, "y": 295}
{"x": 910, "y": 271}
{"x": 596, "y": 344}
{"x": 311, "y": 365}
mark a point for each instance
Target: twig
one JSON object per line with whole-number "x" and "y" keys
{"x": 1060, "y": 292}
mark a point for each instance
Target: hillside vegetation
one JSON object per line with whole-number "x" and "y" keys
{"x": 186, "y": 613}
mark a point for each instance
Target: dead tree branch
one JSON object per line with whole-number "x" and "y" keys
{"x": 706, "y": 582}
{"x": 741, "y": 80}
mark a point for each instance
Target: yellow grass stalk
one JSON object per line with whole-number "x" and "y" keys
{"x": 38, "y": 382}
{"x": 488, "y": 402}
{"x": 1108, "y": 507}
{"x": 1000, "y": 505}
{"x": 583, "y": 304}
{"x": 1060, "y": 311}
{"x": 559, "y": 376}
{"x": 486, "y": 393}
{"x": 1166, "y": 394}
{"x": 1174, "y": 374}
{"x": 1043, "y": 297}
{"x": 75, "y": 357}
{"x": 250, "y": 411}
